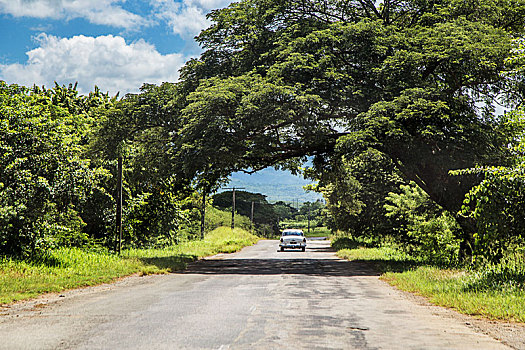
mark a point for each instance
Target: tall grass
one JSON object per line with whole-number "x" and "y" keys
{"x": 454, "y": 288}
{"x": 67, "y": 268}
{"x": 61, "y": 269}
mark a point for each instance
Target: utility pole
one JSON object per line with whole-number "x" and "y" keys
{"x": 233, "y": 203}
{"x": 203, "y": 212}
{"x": 308, "y": 219}
{"x": 119, "y": 205}
{"x": 251, "y": 219}
{"x": 233, "y": 209}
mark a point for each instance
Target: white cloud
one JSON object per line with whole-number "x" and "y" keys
{"x": 104, "y": 12}
{"x": 187, "y": 17}
{"x": 105, "y": 61}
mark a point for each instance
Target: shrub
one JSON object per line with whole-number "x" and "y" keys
{"x": 422, "y": 227}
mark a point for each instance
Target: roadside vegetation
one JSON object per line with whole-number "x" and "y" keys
{"x": 66, "y": 268}
{"x": 493, "y": 291}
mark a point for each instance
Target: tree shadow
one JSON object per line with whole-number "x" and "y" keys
{"x": 45, "y": 260}
{"x": 312, "y": 267}
{"x": 321, "y": 249}
{"x": 172, "y": 263}
{"x": 287, "y": 265}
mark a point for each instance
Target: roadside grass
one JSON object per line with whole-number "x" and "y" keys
{"x": 68, "y": 268}
{"x": 451, "y": 288}
{"x": 318, "y": 232}
{"x": 384, "y": 259}
{"x": 494, "y": 292}
{"x": 169, "y": 259}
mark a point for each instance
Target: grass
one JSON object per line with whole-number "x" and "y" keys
{"x": 68, "y": 268}
{"x": 494, "y": 292}
{"x": 451, "y": 288}
{"x": 384, "y": 259}
{"x": 317, "y": 232}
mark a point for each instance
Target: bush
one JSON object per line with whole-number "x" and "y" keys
{"x": 423, "y": 228}
{"x": 44, "y": 175}
{"x": 216, "y": 218}
{"x": 507, "y": 275}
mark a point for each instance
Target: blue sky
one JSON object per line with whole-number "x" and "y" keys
{"x": 115, "y": 44}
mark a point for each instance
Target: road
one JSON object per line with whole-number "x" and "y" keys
{"x": 258, "y": 298}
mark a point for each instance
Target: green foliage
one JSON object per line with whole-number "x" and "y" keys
{"x": 161, "y": 207}
{"x": 219, "y": 218}
{"x": 311, "y": 217}
{"x": 264, "y": 216}
{"x": 45, "y": 177}
{"x": 284, "y": 211}
{"x": 507, "y": 276}
{"x": 58, "y": 170}
{"x": 420, "y": 226}
{"x": 516, "y": 71}
{"x": 340, "y": 190}
{"x": 355, "y": 190}
{"x": 312, "y": 209}
{"x": 497, "y": 204}
{"x": 154, "y": 219}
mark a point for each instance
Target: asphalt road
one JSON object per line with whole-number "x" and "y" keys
{"x": 258, "y": 298}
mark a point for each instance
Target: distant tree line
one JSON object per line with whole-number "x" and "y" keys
{"x": 268, "y": 216}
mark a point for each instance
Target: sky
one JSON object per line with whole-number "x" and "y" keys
{"x": 116, "y": 45}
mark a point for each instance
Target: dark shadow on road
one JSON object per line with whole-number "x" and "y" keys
{"x": 317, "y": 267}
{"x": 289, "y": 264}
{"x": 171, "y": 263}
{"x": 321, "y": 249}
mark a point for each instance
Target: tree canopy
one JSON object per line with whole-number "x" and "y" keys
{"x": 414, "y": 80}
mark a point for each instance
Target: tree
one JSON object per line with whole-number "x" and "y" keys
{"x": 497, "y": 203}
{"x": 44, "y": 174}
{"x": 160, "y": 202}
{"x": 284, "y": 211}
{"x": 421, "y": 226}
{"x": 283, "y": 79}
{"x": 264, "y": 216}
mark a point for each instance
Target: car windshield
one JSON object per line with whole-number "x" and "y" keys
{"x": 292, "y": 233}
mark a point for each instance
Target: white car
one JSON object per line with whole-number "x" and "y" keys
{"x": 292, "y": 238}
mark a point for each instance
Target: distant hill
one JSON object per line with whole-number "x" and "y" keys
{"x": 276, "y": 185}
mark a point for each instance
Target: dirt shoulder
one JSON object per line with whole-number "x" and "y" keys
{"x": 509, "y": 333}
